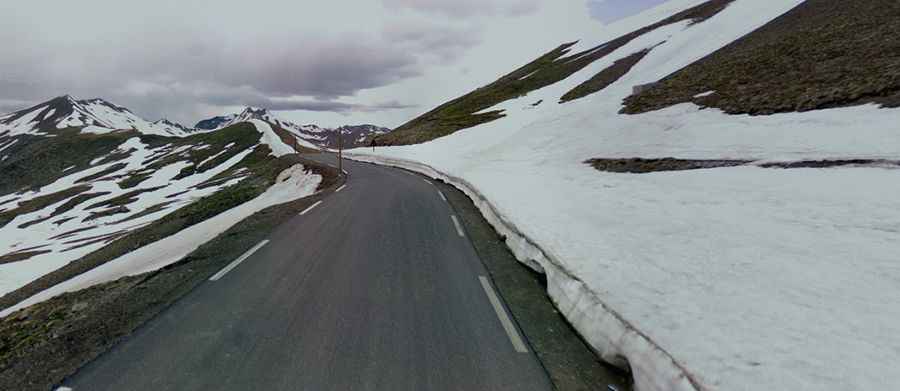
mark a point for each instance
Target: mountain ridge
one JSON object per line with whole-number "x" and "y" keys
{"x": 99, "y": 116}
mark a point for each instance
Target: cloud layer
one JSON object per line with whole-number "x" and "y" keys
{"x": 188, "y": 58}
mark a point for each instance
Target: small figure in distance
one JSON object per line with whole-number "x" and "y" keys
{"x": 373, "y": 144}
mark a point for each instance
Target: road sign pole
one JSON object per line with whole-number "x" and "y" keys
{"x": 340, "y": 152}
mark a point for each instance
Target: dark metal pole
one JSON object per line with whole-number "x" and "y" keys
{"x": 340, "y": 152}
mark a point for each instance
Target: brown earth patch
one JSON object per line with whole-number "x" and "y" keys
{"x": 148, "y": 211}
{"x": 643, "y": 166}
{"x": 606, "y": 77}
{"x": 821, "y": 54}
{"x": 106, "y": 212}
{"x": 109, "y": 170}
{"x": 20, "y": 256}
{"x": 38, "y": 203}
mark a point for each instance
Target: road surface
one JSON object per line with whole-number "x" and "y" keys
{"x": 375, "y": 288}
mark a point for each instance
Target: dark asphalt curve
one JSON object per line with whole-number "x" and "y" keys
{"x": 373, "y": 289}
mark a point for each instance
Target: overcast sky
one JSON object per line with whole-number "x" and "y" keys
{"x": 328, "y": 62}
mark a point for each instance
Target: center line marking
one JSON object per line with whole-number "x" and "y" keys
{"x": 458, "y": 227}
{"x": 310, "y": 208}
{"x": 238, "y": 261}
{"x": 442, "y": 196}
{"x": 340, "y": 188}
{"x": 504, "y": 317}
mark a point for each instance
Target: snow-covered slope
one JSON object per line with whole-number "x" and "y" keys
{"x": 118, "y": 185}
{"x": 730, "y": 278}
{"x": 90, "y": 116}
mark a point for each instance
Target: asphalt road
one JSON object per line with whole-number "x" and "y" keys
{"x": 376, "y": 288}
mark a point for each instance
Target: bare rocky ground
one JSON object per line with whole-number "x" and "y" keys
{"x": 821, "y": 54}
{"x": 43, "y": 344}
{"x": 643, "y": 166}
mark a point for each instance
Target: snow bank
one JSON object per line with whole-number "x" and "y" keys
{"x": 725, "y": 279}
{"x": 607, "y": 332}
{"x": 294, "y": 183}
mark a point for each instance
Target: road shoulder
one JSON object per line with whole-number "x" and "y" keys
{"x": 568, "y": 360}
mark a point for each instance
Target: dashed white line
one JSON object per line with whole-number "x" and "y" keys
{"x": 64, "y": 389}
{"x": 427, "y": 181}
{"x": 458, "y": 227}
{"x": 238, "y": 261}
{"x": 340, "y": 188}
{"x": 511, "y": 331}
{"x": 442, "y": 196}
{"x": 310, "y": 208}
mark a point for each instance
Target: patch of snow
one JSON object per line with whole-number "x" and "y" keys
{"x": 528, "y": 75}
{"x": 97, "y": 129}
{"x": 7, "y": 145}
{"x": 270, "y": 138}
{"x": 704, "y": 94}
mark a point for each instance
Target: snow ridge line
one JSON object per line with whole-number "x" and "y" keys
{"x": 652, "y": 367}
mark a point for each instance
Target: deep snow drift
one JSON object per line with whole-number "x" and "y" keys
{"x": 721, "y": 279}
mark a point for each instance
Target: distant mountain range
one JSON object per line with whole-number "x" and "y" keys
{"x": 354, "y": 135}
{"x": 99, "y": 116}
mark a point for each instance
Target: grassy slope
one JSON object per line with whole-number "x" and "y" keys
{"x": 36, "y": 161}
{"x": 548, "y": 69}
{"x": 823, "y": 53}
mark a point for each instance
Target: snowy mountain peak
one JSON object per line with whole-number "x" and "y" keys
{"x": 91, "y": 115}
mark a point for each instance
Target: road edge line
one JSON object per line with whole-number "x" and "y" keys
{"x": 507, "y": 323}
{"x": 236, "y": 262}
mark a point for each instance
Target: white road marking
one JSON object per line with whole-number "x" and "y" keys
{"x": 427, "y": 181}
{"x": 442, "y": 196}
{"x": 310, "y": 208}
{"x": 64, "y": 389}
{"x": 511, "y": 331}
{"x": 458, "y": 227}
{"x": 238, "y": 261}
{"x": 340, "y": 188}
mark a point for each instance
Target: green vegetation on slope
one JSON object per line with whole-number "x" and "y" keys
{"x": 259, "y": 170}
{"x": 548, "y": 69}
{"x": 35, "y": 161}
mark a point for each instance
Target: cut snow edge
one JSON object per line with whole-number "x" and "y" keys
{"x": 612, "y": 337}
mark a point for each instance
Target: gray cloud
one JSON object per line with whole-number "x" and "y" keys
{"x": 608, "y": 11}
{"x": 185, "y": 59}
{"x": 466, "y": 8}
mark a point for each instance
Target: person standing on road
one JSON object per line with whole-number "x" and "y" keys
{"x": 373, "y": 144}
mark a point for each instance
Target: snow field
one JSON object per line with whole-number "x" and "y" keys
{"x": 740, "y": 278}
